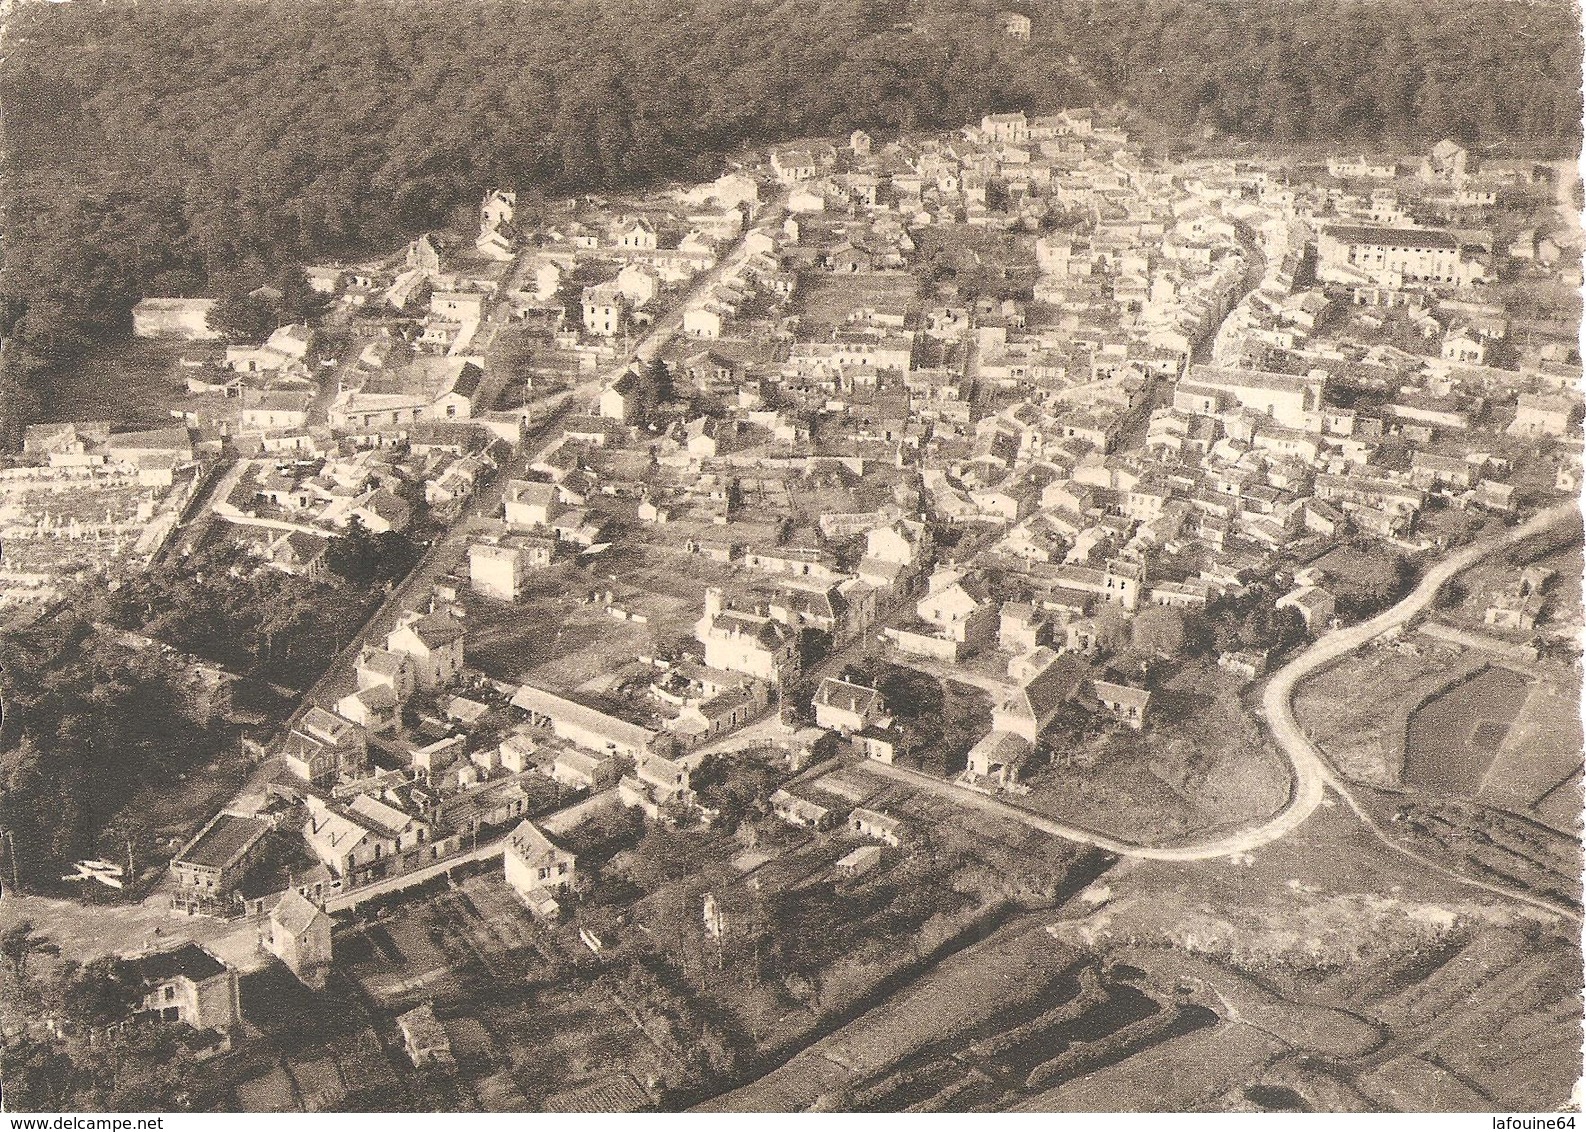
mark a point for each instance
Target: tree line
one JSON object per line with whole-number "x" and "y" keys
{"x": 92, "y": 726}
{"x": 179, "y": 147}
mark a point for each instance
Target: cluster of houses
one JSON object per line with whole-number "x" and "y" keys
{"x": 1160, "y": 382}
{"x": 288, "y": 507}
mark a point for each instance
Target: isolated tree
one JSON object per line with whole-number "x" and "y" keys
{"x": 19, "y": 944}
{"x": 241, "y": 317}
{"x": 101, "y": 993}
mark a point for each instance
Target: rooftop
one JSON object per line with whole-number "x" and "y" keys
{"x": 1393, "y": 237}
{"x": 222, "y": 841}
{"x": 189, "y": 961}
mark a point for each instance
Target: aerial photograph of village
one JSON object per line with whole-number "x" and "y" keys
{"x": 735, "y": 555}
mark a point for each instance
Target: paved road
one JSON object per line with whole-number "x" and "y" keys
{"x": 1313, "y": 775}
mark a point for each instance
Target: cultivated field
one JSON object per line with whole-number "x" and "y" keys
{"x": 1351, "y": 966}
{"x": 1451, "y": 739}
{"x": 1350, "y": 709}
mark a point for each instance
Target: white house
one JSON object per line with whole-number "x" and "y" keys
{"x": 434, "y": 646}
{"x": 537, "y": 868}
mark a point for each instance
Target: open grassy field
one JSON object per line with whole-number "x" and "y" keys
{"x": 1560, "y": 807}
{"x": 553, "y": 637}
{"x": 1202, "y": 763}
{"x": 826, "y": 301}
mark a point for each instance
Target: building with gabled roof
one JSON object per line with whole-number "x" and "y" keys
{"x": 750, "y": 643}
{"x": 298, "y": 933}
{"x": 585, "y": 726}
{"x": 351, "y": 850}
{"x": 377, "y": 666}
{"x": 1286, "y": 398}
{"x": 529, "y": 503}
{"x": 322, "y": 748}
{"x": 433, "y": 644}
{"x": 1314, "y": 604}
{"x": 997, "y": 760}
{"x": 962, "y": 611}
{"x": 1031, "y": 707}
{"x": 425, "y": 1039}
{"x": 537, "y": 868}
{"x": 798, "y": 810}
{"x": 1127, "y": 705}
{"x": 656, "y": 786}
{"x": 1387, "y": 256}
{"x": 844, "y": 707}
{"x": 877, "y": 825}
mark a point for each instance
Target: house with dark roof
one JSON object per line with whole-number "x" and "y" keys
{"x": 656, "y": 786}
{"x": 847, "y": 708}
{"x": 1028, "y": 709}
{"x": 750, "y": 643}
{"x": 322, "y": 748}
{"x": 961, "y": 610}
{"x": 997, "y": 760}
{"x": 795, "y": 809}
{"x": 531, "y": 504}
{"x": 378, "y": 666}
{"x": 537, "y": 868}
{"x": 877, "y": 826}
{"x": 434, "y": 645}
{"x": 188, "y": 983}
{"x": 1388, "y": 256}
{"x": 211, "y": 866}
{"x": 457, "y": 398}
{"x": 301, "y": 553}
{"x": 382, "y": 511}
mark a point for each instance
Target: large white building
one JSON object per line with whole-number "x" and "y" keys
{"x": 537, "y": 868}
{"x": 1286, "y": 398}
{"x": 746, "y": 642}
{"x": 1389, "y": 257}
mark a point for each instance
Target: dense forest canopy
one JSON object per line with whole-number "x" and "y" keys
{"x": 175, "y": 146}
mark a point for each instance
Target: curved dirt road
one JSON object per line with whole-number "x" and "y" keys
{"x": 1312, "y": 773}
